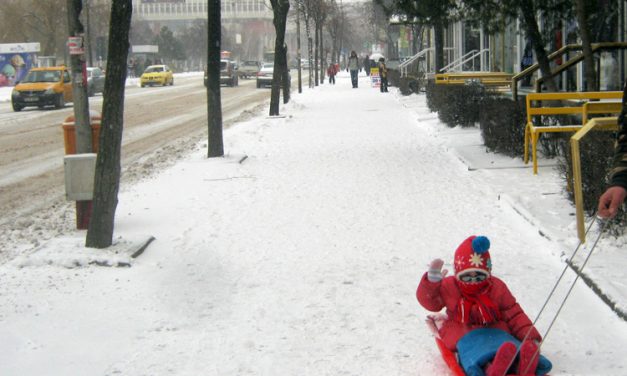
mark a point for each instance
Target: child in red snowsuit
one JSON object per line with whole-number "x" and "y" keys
{"x": 331, "y": 72}
{"x": 479, "y": 305}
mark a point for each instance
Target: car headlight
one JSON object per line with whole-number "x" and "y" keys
{"x": 49, "y": 91}
{"x": 15, "y": 93}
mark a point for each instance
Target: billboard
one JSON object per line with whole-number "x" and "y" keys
{"x": 15, "y": 61}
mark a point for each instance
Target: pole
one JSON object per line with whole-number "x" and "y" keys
{"x": 79, "y": 93}
{"x": 79, "y": 80}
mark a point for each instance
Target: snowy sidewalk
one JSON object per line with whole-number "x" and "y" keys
{"x": 303, "y": 259}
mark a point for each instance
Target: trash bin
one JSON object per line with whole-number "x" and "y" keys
{"x": 69, "y": 134}
{"x": 83, "y": 208}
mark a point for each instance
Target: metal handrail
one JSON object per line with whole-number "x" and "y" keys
{"x": 456, "y": 61}
{"x": 477, "y": 53}
{"x": 403, "y": 66}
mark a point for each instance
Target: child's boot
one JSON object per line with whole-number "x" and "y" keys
{"x": 529, "y": 356}
{"x": 502, "y": 360}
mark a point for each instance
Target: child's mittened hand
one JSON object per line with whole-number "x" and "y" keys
{"x": 435, "y": 273}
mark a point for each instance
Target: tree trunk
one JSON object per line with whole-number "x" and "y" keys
{"x": 79, "y": 81}
{"x": 298, "y": 54}
{"x": 316, "y": 53}
{"x": 533, "y": 32}
{"x": 285, "y": 72}
{"x": 107, "y": 179}
{"x": 280, "y": 9}
{"x": 323, "y": 57}
{"x": 589, "y": 68}
{"x": 311, "y": 59}
{"x": 438, "y": 30}
{"x": 215, "y": 143}
{"x": 309, "y": 49}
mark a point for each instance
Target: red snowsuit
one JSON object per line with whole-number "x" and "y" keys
{"x": 434, "y": 296}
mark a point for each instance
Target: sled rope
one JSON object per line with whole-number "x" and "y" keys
{"x": 572, "y": 285}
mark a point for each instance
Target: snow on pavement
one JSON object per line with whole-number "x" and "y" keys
{"x": 303, "y": 259}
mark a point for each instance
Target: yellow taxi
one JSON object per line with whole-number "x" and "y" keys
{"x": 46, "y": 86}
{"x": 156, "y": 75}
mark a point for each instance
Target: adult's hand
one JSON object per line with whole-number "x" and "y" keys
{"x": 610, "y": 201}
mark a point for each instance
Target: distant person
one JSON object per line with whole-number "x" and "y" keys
{"x": 131, "y": 68}
{"x": 353, "y": 67}
{"x": 383, "y": 74}
{"x": 615, "y": 195}
{"x": 139, "y": 68}
{"x": 526, "y": 62}
{"x": 367, "y": 65}
{"x": 331, "y": 72}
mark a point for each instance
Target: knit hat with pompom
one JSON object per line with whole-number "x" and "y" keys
{"x": 473, "y": 255}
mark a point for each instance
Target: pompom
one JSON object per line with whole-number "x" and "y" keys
{"x": 480, "y": 244}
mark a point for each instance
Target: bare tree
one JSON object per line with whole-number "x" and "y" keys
{"x": 31, "y": 20}
{"x": 306, "y": 11}
{"x": 215, "y": 144}
{"x": 322, "y": 17}
{"x": 280, "y": 8}
{"x": 107, "y": 179}
{"x": 317, "y": 12}
{"x": 334, "y": 28}
{"x": 195, "y": 40}
{"x": 528, "y": 13}
{"x": 298, "y": 55}
{"x": 588, "y": 59}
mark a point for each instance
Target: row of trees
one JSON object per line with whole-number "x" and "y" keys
{"x": 332, "y": 28}
{"x": 592, "y": 17}
{"x": 52, "y": 21}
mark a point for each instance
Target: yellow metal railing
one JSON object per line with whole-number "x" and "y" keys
{"x": 590, "y": 105}
{"x": 608, "y": 123}
{"x": 485, "y": 78}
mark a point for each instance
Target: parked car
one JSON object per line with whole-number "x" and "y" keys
{"x": 228, "y": 73}
{"x": 249, "y": 69}
{"x": 49, "y": 86}
{"x": 264, "y": 76}
{"x": 95, "y": 81}
{"x": 156, "y": 75}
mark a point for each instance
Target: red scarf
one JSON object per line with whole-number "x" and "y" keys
{"x": 475, "y": 306}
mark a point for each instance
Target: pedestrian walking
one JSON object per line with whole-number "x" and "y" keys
{"x": 367, "y": 65}
{"x": 615, "y": 195}
{"x": 383, "y": 74}
{"x": 331, "y": 72}
{"x": 353, "y": 67}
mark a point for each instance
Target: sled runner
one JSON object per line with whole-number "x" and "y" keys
{"x": 450, "y": 357}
